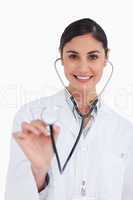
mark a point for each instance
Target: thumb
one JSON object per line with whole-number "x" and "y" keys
{"x": 56, "y": 129}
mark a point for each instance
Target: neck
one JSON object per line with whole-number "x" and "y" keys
{"x": 83, "y": 98}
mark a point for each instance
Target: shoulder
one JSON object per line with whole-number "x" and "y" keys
{"x": 115, "y": 117}
{"x": 116, "y": 125}
{"x": 36, "y": 104}
{"x": 118, "y": 130}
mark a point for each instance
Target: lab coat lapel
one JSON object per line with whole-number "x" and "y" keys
{"x": 66, "y": 117}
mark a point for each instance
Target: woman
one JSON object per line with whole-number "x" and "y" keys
{"x": 98, "y": 168}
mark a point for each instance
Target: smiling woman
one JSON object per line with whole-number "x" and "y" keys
{"x": 84, "y": 60}
{"x": 100, "y": 167}
{"x": 84, "y": 54}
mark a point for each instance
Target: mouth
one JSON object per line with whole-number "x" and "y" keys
{"x": 83, "y": 79}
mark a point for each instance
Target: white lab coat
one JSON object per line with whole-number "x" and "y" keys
{"x": 104, "y": 159}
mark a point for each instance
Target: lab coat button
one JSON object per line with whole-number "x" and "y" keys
{"x": 83, "y": 189}
{"x": 83, "y": 192}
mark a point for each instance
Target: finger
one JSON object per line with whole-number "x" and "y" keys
{"x": 56, "y": 129}
{"x": 28, "y": 128}
{"x": 38, "y": 121}
{"x": 19, "y": 135}
{"x": 41, "y": 126}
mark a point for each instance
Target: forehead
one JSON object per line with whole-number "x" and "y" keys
{"x": 84, "y": 42}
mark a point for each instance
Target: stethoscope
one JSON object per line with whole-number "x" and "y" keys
{"x": 92, "y": 107}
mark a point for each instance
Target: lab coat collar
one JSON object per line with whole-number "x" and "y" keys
{"x": 94, "y": 112}
{"x": 62, "y": 100}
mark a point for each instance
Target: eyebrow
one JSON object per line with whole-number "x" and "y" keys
{"x": 71, "y": 51}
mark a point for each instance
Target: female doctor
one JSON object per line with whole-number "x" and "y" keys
{"x": 101, "y": 164}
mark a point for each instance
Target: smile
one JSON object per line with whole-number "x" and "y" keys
{"x": 83, "y": 78}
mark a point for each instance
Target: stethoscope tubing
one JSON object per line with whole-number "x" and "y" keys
{"x": 92, "y": 106}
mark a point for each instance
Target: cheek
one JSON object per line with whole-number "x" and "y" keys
{"x": 69, "y": 65}
{"x": 68, "y": 69}
{"x": 98, "y": 74}
{"x": 67, "y": 72}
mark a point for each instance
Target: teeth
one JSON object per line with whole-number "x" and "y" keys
{"x": 83, "y": 77}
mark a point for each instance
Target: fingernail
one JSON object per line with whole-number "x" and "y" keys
{"x": 58, "y": 124}
{"x": 56, "y": 127}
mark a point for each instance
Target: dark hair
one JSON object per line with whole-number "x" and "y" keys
{"x": 82, "y": 27}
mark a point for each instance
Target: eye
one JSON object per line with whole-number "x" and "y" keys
{"x": 73, "y": 56}
{"x": 93, "y": 57}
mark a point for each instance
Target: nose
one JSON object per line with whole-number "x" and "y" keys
{"x": 84, "y": 65}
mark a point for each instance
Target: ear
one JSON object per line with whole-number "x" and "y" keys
{"x": 107, "y": 58}
{"x": 62, "y": 63}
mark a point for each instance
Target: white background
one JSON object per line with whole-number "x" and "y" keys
{"x": 29, "y": 40}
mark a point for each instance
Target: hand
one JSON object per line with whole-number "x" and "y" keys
{"x": 36, "y": 143}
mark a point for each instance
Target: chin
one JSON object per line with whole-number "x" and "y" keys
{"x": 83, "y": 88}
